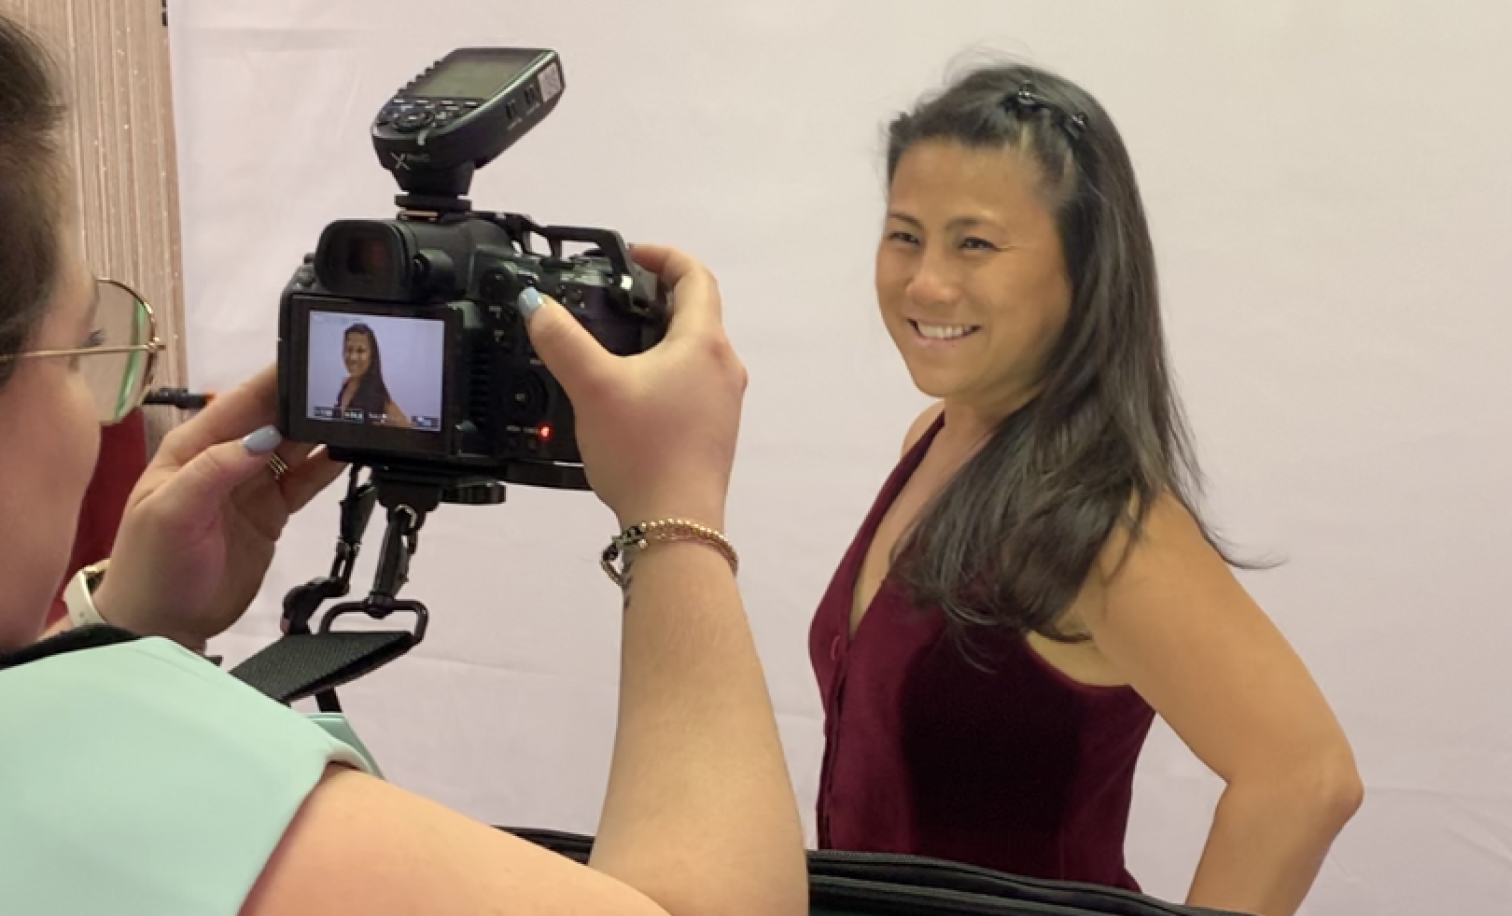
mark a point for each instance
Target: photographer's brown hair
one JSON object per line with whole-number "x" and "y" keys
{"x": 31, "y": 186}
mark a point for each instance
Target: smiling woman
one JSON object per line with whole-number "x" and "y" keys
{"x": 1035, "y": 582}
{"x": 365, "y": 390}
{"x": 964, "y": 220}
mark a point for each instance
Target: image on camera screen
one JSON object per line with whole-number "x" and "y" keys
{"x": 376, "y": 369}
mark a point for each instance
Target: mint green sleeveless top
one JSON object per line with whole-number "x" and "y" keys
{"x": 140, "y": 780}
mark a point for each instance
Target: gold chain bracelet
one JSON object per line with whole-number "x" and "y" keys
{"x": 642, "y": 536}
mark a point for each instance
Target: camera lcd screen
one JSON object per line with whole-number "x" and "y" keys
{"x": 376, "y": 370}
{"x": 481, "y": 77}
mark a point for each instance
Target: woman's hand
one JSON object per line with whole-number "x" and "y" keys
{"x": 657, "y": 430}
{"x": 199, "y": 528}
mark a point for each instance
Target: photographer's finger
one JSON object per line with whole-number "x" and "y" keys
{"x": 577, "y": 360}
{"x": 308, "y": 478}
{"x": 653, "y": 257}
{"x": 248, "y": 407}
{"x": 691, "y": 289}
{"x": 672, "y": 266}
{"x": 193, "y": 496}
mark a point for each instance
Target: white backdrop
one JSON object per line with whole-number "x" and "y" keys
{"x": 1329, "y": 191}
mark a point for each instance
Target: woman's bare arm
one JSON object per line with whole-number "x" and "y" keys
{"x": 1173, "y": 620}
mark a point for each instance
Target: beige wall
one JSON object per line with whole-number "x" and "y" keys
{"x": 113, "y": 55}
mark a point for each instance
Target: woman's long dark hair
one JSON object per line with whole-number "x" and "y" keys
{"x": 1010, "y": 540}
{"x": 372, "y": 395}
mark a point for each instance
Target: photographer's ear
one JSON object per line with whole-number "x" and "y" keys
{"x": 571, "y": 353}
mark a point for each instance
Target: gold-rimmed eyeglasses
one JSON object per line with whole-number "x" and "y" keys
{"x": 119, "y": 362}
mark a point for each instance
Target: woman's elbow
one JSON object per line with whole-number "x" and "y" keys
{"x": 1334, "y": 788}
{"x": 1324, "y": 789}
{"x": 1344, "y": 791}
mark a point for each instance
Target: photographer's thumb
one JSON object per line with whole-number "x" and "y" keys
{"x": 572, "y": 354}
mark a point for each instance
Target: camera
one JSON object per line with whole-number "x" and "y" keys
{"x": 400, "y": 344}
{"x": 401, "y": 350}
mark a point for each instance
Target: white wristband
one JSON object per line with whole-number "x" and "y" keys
{"x": 79, "y": 596}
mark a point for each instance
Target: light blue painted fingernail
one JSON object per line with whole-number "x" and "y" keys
{"x": 263, "y": 441}
{"x": 529, "y": 301}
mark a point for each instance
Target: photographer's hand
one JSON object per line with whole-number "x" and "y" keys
{"x": 657, "y": 431}
{"x": 700, "y": 814}
{"x": 199, "y": 528}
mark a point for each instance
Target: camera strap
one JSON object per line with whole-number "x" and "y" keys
{"x": 301, "y": 665}
{"x": 308, "y": 662}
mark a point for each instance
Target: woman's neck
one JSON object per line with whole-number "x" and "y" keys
{"x": 970, "y": 423}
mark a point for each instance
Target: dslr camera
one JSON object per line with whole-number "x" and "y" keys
{"x": 400, "y": 345}
{"x": 402, "y": 351}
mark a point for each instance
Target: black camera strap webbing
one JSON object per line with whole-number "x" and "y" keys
{"x": 308, "y": 661}
{"x": 301, "y": 665}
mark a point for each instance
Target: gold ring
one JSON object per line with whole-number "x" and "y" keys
{"x": 279, "y": 467}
